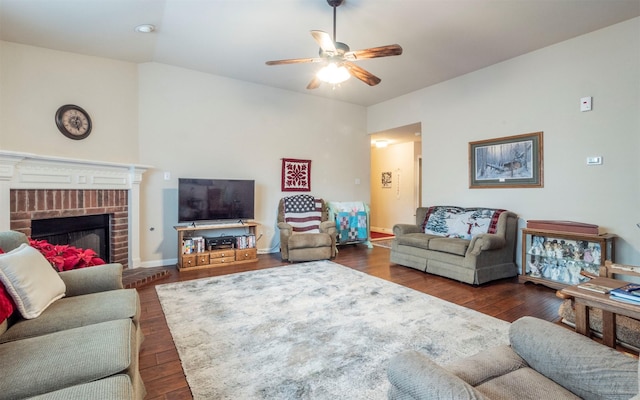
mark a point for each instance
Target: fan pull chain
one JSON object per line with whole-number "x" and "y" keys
{"x": 334, "y": 24}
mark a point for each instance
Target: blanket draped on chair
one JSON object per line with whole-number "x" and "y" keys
{"x": 303, "y": 212}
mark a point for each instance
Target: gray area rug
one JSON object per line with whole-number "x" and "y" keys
{"x": 314, "y": 330}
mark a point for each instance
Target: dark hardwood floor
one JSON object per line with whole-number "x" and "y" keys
{"x": 505, "y": 299}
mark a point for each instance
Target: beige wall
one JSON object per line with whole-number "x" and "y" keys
{"x": 186, "y": 123}
{"x": 193, "y": 124}
{"x": 397, "y": 204}
{"x": 199, "y": 125}
{"x": 35, "y": 82}
{"x": 540, "y": 91}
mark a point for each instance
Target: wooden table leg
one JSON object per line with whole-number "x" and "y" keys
{"x": 582, "y": 318}
{"x": 608, "y": 328}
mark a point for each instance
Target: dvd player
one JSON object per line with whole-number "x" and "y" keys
{"x": 218, "y": 241}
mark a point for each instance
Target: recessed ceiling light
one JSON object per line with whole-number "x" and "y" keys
{"x": 382, "y": 143}
{"x": 145, "y": 28}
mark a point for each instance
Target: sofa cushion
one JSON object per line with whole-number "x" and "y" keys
{"x": 419, "y": 240}
{"x": 524, "y": 384}
{"x": 63, "y": 359}
{"x": 30, "y": 280}
{"x": 309, "y": 240}
{"x": 113, "y": 387}
{"x": 486, "y": 365}
{"x": 10, "y": 240}
{"x": 449, "y": 245}
{"x": 414, "y": 376}
{"x": 73, "y": 312}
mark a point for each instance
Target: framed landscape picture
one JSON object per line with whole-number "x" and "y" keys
{"x": 507, "y": 162}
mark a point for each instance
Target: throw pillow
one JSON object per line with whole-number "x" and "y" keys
{"x": 30, "y": 280}
{"x": 459, "y": 222}
{"x": 6, "y": 305}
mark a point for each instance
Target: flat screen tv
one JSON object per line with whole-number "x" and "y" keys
{"x": 215, "y": 199}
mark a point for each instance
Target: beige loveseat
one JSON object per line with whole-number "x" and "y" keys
{"x": 472, "y": 245}
{"x": 82, "y": 346}
{"x": 543, "y": 361}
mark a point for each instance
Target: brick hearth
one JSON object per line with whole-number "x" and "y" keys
{"x": 32, "y": 204}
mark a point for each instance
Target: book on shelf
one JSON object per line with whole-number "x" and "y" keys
{"x": 628, "y": 292}
{"x": 245, "y": 242}
{"x": 595, "y": 288}
{"x": 187, "y": 246}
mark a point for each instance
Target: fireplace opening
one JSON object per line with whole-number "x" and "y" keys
{"x": 86, "y": 232}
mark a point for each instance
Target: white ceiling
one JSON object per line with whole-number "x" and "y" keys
{"x": 441, "y": 39}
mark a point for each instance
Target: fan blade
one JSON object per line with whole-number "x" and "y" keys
{"x": 324, "y": 41}
{"x": 295, "y": 61}
{"x": 362, "y": 74}
{"x": 374, "y": 52}
{"x": 315, "y": 83}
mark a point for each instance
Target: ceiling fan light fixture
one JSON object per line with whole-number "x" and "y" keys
{"x": 333, "y": 74}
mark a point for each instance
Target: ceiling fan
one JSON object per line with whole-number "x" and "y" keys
{"x": 338, "y": 58}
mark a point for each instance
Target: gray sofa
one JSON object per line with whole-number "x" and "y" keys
{"x": 471, "y": 245}
{"x": 543, "y": 361}
{"x": 84, "y": 345}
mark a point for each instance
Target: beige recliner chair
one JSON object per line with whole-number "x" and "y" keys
{"x": 306, "y": 240}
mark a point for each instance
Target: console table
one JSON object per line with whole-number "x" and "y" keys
{"x": 583, "y": 299}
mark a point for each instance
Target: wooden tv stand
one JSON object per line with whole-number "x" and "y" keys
{"x": 219, "y": 257}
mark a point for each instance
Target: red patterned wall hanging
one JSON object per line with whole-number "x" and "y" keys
{"x": 296, "y": 175}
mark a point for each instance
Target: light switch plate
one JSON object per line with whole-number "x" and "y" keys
{"x": 585, "y": 104}
{"x": 595, "y": 160}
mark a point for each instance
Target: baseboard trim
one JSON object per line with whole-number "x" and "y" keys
{"x": 388, "y": 231}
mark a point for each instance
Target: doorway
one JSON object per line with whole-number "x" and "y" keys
{"x": 396, "y": 176}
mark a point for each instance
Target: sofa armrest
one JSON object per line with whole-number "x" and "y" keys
{"x": 414, "y": 376}
{"x": 585, "y": 367}
{"x": 485, "y": 241}
{"x": 99, "y": 278}
{"x": 403, "y": 229}
{"x": 285, "y": 229}
{"x": 328, "y": 227}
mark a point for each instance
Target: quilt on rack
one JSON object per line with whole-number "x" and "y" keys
{"x": 352, "y": 226}
{"x": 303, "y": 212}
{"x": 352, "y": 221}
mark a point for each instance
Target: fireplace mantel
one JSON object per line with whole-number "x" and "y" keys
{"x": 32, "y": 171}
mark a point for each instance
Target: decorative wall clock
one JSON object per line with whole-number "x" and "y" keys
{"x": 73, "y": 121}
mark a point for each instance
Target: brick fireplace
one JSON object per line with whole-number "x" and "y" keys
{"x": 38, "y": 204}
{"x": 35, "y": 187}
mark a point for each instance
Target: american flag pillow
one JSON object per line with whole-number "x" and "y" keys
{"x": 303, "y": 213}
